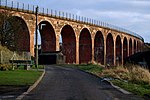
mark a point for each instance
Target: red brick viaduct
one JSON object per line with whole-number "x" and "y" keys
{"x": 83, "y": 40}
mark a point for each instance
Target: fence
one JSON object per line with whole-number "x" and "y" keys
{"x": 5, "y": 56}
{"x": 63, "y": 15}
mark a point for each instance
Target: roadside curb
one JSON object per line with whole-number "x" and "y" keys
{"x": 31, "y": 87}
{"x": 119, "y": 88}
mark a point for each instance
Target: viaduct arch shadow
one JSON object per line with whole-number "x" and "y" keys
{"x": 48, "y": 38}
{"x": 85, "y": 46}
{"x": 99, "y": 48}
{"x": 68, "y": 43}
{"x": 110, "y": 49}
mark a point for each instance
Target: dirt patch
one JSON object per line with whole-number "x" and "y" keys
{"x": 11, "y": 92}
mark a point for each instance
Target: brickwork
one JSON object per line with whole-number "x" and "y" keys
{"x": 82, "y": 42}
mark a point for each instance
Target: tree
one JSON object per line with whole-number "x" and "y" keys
{"x": 9, "y": 29}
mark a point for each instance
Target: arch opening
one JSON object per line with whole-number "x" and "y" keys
{"x": 134, "y": 46}
{"x": 130, "y": 47}
{"x": 125, "y": 49}
{"x": 109, "y": 49}
{"x": 68, "y": 45}
{"x": 118, "y": 51}
{"x": 85, "y": 46}
{"x": 48, "y": 38}
{"x": 99, "y": 48}
{"x": 17, "y": 36}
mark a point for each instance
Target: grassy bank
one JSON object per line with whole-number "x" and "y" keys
{"x": 19, "y": 77}
{"x": 132, "y": 78}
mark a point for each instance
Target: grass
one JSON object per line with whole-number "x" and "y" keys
{"x": 19, "y": 77}
{"x": 139, "y": 89}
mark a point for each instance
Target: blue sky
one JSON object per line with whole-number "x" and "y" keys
{"x": 133, "y": 15}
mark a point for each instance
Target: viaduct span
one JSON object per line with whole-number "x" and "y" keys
{"x": 83, "y": 39}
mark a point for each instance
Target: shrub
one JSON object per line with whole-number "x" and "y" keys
{"x": 5, "y": 67}
{"x": 139, "y": 74}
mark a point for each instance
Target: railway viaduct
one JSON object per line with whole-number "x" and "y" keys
{"x": 83, "y": 39}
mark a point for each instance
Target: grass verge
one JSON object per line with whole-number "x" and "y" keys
{"x": 19, "y": 77}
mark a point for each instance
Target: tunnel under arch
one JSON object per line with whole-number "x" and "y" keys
{"x": 118, "y": 51}
{"x": 68, "y": 43}
{"x": 19, "y": 36}
{"x": 48, "y": 38}
{"x": 109, "y": 50}
{"x": 85, "y": 46}
{"x": 130, "y": 47}
{"x": 99, "y": 47}
{"x": 125, "y": 48}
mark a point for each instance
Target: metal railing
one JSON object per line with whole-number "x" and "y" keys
{"x": 63, "y": 15}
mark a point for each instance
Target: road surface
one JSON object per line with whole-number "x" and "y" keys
{"x": 62, "y": 83}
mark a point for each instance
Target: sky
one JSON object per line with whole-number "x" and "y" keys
{"x": 133, "y": 15}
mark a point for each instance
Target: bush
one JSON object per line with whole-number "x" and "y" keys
{"x": 5, "y": 67}
{"x": 139, "y": 75}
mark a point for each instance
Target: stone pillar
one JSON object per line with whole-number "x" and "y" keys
{"x": 114, "y": 52}
{"x": 105, "y": 63}
{"x": 132, "y": 47}
{"x": 57, "y": 42}
{"x": 122, "y": 58}
{"x": 128, "y": 47}
{"x": 92, "y": 38}
{"x": 31, "y": 32}
{"x": 77, "y": 49}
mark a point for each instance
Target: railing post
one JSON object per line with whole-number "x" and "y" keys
{"x": 55, "y": 13}
{"x": 6, "y": 4}
{"x": 73, "y": 16}
{"x": 28, "y": 7}
{"x": 33, "y": 8}
{"x": 17, "y": 5}
{"x": 63, "y": 14}
{"x": 11, "y": 4}
{"x": 23, "y": 7}
{"x": 59, "y": 14}
{"x": 43, "y": 11}
{"x": 51, "y": 12}
{"x": 47, "y": 11}
{"x": 66, "y": 15}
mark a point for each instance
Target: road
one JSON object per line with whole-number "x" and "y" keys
{"x": 62, "y": 83}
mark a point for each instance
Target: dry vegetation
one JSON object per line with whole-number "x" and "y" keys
{"x": 132, "y": 73}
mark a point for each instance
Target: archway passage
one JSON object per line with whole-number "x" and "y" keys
{"x": 68, "y": 44}
{"x": 134, "y": 46}
{"x": 48, "y": 38}
{"x": 118, "y": 51}
{"x": 109, "y": 50}
{"x": 99, "y": 48}
{"x": 17, "y": 37}
{"x": 125, "y": 49}
{"x": 85, "y": 46}
{"x": 130, "y": 47}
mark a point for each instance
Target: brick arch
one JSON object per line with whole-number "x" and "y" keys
{"x": 118, "y": 50}
{"x": 99, "y": 47}
{"x": 48, "y": 36}
{"x": 22, "y": 36}
{"x": 68, "y": 43}
{"x": 130, "y": 47}
{"x": 109, "y": 49}
{"x": 125, "y": 48}
{"x": 85, "y": 46}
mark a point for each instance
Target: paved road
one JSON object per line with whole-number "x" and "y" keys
{"x": 60, "y": 83}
